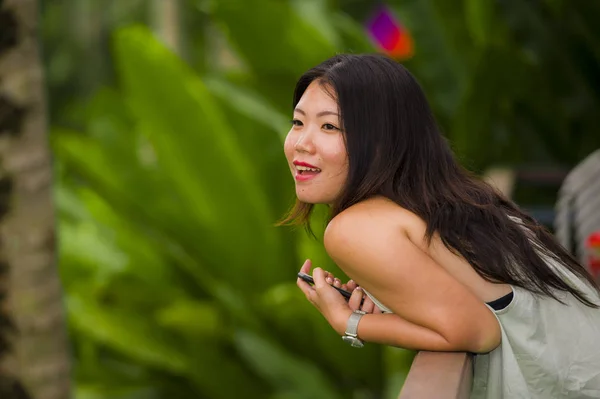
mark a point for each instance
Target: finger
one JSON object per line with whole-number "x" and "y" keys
{"x": 351, "y": 285}
{"x": 355, "y": 298}
{"x": 368, "y": 305}
{"x": 345, "y": 287}
{"x": 377, "y": 310}
{"x": 306, "y": 266}
{"x": 337, "y": 283}
{"x": 332, "y": 279}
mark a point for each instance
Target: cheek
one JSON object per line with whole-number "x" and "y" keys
{"x": 339, "y": 156}
{"x": 288, "y": 146}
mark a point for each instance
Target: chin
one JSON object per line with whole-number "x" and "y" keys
{"x": 310, "y": 198}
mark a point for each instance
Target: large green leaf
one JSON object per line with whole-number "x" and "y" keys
{"x": 284, "y": 372}
{"x": 171, "y": 231}
{"x": 249, "y": 104}
{"x": 213, "y": 176}
{"x": 126, "y": 333}
{"x": 135, "y": 337}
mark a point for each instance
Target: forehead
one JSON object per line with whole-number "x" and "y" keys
{"x": 318, "y": 95}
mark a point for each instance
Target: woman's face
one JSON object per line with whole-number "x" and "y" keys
{"x": 315, "y": 148}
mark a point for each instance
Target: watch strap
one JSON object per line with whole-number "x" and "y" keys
{"x": 352, "y": 324}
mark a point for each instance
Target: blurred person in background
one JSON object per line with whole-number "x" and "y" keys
{"x": 443, "y": 261}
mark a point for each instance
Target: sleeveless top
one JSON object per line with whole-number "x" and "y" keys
{"x": 548, "y": 349}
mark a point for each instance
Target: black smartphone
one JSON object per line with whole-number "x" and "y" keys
{"x": 309, "y": 280}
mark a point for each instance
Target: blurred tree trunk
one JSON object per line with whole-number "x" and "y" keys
{"x": 167, "y": 21}
{"x": 34, "y": 360}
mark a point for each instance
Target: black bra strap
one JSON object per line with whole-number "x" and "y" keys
{"x": 501, "y": 303}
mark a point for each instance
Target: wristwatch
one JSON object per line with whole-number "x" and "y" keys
{"x": 351, "y": 335}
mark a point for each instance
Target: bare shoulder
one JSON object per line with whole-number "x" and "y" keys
{"x": 375, "y": 218}
{"x": 365, "y": 234}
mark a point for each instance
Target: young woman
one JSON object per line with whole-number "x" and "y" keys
{"x": 447, "y": 263}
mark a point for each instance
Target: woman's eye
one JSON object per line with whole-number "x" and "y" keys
{"x": 329, "y": 126}
{"x": 296, "y": 122}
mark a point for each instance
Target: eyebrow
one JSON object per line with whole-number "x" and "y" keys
{"x": 322, "y": 113}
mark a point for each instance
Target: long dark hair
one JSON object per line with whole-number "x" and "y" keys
{"x": 396, "y": 150}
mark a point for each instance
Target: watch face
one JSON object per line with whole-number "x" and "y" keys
{"x": 353, "y": 341}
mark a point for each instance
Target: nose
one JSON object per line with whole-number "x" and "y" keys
{"x": 305, "y": 142}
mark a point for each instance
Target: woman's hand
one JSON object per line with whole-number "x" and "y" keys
{"x": 358, "y": 295}
{"x": 325, "y": 298}
{"x": 332, "y": 305}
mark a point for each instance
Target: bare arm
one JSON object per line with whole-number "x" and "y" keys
{"x": 432, "y": 310}
{"x": 393, "y": 330}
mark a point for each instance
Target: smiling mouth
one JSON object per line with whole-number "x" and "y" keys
{"x": 305, "y": 173}
{"x": 305, "y": 170}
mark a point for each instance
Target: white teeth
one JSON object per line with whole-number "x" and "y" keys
{"x": 307, "y": 168}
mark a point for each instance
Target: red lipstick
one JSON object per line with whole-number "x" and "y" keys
{"x": 303, "y": 174}
{"x": 298, "y": 163}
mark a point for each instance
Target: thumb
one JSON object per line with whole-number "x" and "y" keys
{"x": 319, "y": 277}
